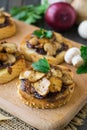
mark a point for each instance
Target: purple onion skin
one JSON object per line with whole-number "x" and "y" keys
{"x": 60, "y": 16}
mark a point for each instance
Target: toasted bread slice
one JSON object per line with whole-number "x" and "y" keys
{"x": 11, "y": 62}
{"x": 52, "y": 99}
{"x": 9, "y": 73}
{"x": 52, "y": 49}
{"x": 7, "y": 26}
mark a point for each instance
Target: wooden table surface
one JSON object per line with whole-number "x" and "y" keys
{"x": 54, "y": 119}
{"x": 71, "y": 34}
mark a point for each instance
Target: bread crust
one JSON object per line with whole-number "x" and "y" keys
{"x": 18, "y": 66}
{"x": 44, "y": 103}
{"x": 34, "y": 56}
{"x": 8, "y": 30}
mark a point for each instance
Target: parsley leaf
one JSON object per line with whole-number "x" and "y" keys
{"x": 48, "y": 34}
{"x": 43, "y": 33}
{"x": 83, "y": 50}
{"x": 42, "y": 65}
{"x": 29, "y": 13}
{"x": 83, "y": 68}
{"x": 39, "y": 33}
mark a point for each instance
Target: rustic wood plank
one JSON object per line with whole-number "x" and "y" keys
{"x": 48, "y": 119}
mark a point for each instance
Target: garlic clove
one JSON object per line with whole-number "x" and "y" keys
{"x": 70, "y": 54}
{"x": 77, "y": 61}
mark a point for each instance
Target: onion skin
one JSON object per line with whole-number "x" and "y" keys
{"x": 60, "y": 16}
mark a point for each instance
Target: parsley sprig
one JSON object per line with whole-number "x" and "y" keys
{"x": 41, "y": 33}
{"x": 83, "y": 68}
{"x": 29, "y": 13}
{"x": 42, "y": 65}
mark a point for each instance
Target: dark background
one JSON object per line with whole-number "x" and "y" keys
{"x": 71, "y": 34}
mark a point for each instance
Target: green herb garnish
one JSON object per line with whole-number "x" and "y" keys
{"x": 42, "y": 65}
{"x": 83, "y": 50}
{"x": 43, "y": 33}
{"x": 29, "y": 13}
{"x": 83, "y": 68}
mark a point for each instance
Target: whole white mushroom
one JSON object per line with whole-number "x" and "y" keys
{"x": 70, "y": 54}
{"x": 77, "y": 61}
{"x": 82, "y": 29}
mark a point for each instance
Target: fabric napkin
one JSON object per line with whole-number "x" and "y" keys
{"x": 2, "y": 117}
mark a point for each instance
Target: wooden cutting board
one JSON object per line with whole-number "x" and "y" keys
{"x": 54, "y": 119}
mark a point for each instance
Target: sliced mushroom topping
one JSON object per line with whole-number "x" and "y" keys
{"x": 58, "y": 45}
{"x": 32, "y": 75}
{"x": 33, "y": 41}
{"x": 60, "y": 57}
{"x": 42, "y": 41}
{"x": 3, "y": 57}
{"x": 2, "y": 19}
{"x": 67, "y": 79}
{"x": 9, "y": 69}
{"x": 42, "y": 87}
{"x": 9, "y": 47}
{"x": 53, "y": 39}
{"x": 56, "y": 72}
{"x": 1, "y": 48}
{"x": 49, "y": 74}
{"x": 56, "y": 84}
{"x": 59, "y": 38}
{"x": 25, "y": 75}
{"x": 50, "y": 49}
{"x": 11, "y": 59}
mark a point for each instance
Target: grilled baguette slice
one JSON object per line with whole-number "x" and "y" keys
{"x": 9, "y": 73}
{"x": 48, "y": 47}
{"x": 7, "y": 26}
{"x": 53, "y": 99}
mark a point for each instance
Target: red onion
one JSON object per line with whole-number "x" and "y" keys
{"x": 60, "y": 16}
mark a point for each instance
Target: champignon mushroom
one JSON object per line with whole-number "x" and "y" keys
{"x": 56, "y": 84}
{"x": 66, "y": 78}
{"x": 71, "y": 53}
{"x": 77, "y": 61}
{"x": 9, "y": 47}
{"x": 11, "y": 59}
{"x": 42, "y": 86}
{"x": 1, "y": 48}
{"x": 33, "y": 41}
{"x": 32, "y": 75}
{"x": 3, "y": 56}
{"x": 56, "y": 72}
{"x": 50, "y": 49}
